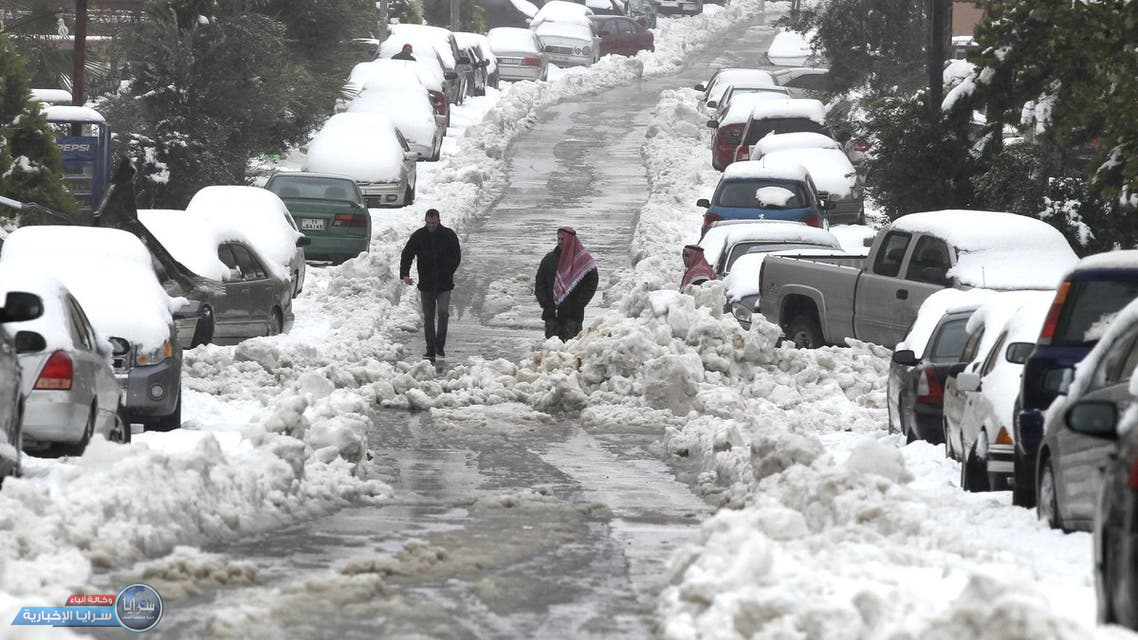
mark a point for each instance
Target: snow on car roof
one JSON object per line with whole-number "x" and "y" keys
{"x": 994, "y": 314}
{"x": 422, "y": 33}
{"x": 789, "y": 48}
{"x": 72, "y": 113}
{"x": 997, "y": 250}
{"x": 761, "y": 169}
{"x": 561, "y": 11}
{"x": 796, "y": 140}
{"x": 829, "y": 168}
{"x": 192, "y": 240}
{"x": 109, "y": 271}
{"x": 935, "y": 307}
{"x": 512, "y": 39}
{"x": 728, "y": 77}
{"x": 527, "y": 8}
{"x": 574, "y": 30}
{"x": 252, "y": 215}
{"x": 790, "y": 108}
{"x": 739, "y": 111}
{"x": 52, "y": 325}
{"x": 423, "y": 49}
{"x": 720, "y": 236}
{"x": 360, "y": 145}
{"x": 1121, "y": 259}
{"x": 386, "y": 72}
{"x": 409, "y": 110}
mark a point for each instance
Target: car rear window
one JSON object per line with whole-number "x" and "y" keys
{"x": 743, "y": 193}
{"x": 1090, "y": 306}
{"x": 759, "y": 128}
{"x": 948, "y": 344}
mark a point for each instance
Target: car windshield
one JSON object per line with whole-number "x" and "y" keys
{"x": 1090, "y": 306}
{"x": 744, "y": 248}
{"x": 760, "y": 193}
{"x": 760, "y": 128}
{"x": 315, "y": 188}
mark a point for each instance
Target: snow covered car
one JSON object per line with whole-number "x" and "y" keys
{"x": 561, "y": 11}
{"x": 759, "y": 190}
{"x": 409, "y": 109}
{"x": 519, "y": 54}
{"x": 19, "y": 306}
{"x": 260, "y": 218}
{"x": 423, "y": 39}
{"x": 930, "y": 352}
{"x": 736, "y": 248}
{"x": 622, "y": 36}
{"x": 251, "y": 299}
{"x": 406, "y": 72}
{"x": 836, "y": 179}
{"x": 730, "y": 124}
{"x": 368, "y": 148}
{"x": 481, "y": 44}
{"x": 789, "y": 49}
{"x": 723, "y": 78}
{"x": 569, "y": 43}
{"x": 979, "y": 401}
{"x": 781, "y": 116}
{"x": 743, "y": 88}
{"x": 70, "y": 391}
{"x": 805, "y": 82}
{"x": 111, "y": 273}
{"x": 330, "y": 211}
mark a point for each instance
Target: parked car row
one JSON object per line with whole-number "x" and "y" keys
{"x": 1035, "y": 393}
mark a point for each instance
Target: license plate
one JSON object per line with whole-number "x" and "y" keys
{"x": 312, "y": 224}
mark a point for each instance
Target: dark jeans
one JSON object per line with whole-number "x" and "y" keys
{"x": 433, "y": 301}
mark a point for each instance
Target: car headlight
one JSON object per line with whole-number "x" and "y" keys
{"x": 741, "y": 312}
{"x": 154, "y": 356}
{"x": 585, "y": 50}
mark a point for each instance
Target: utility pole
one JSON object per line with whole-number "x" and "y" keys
{"x": 383, "y": 19}
{"x": 80, "y": 53}
{"x": 936, "y": 56}
{"x": 454, "y": 15}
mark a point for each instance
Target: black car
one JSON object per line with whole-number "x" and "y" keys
{"x": 1115, "y": 537}
{"x": 916, "y": 384}
{"x": 1089, "y": 296}
{"x": 473, "y": 65}
{"x": 18, "y": 307}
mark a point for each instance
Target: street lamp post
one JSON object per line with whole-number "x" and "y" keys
{"x": 80, "y": 53}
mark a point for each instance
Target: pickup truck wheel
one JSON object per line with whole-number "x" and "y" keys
{"x": 804, "y": 332}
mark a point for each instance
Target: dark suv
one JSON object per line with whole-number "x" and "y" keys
{"x": 1085, "y": 303}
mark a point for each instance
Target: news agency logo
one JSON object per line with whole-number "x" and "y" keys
{"x": 137, "y": 608}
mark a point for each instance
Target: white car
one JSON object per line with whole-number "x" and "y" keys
{"x": 723, "y": 79}
{"x": 428, "y": 73}
{"x": 111, "y": 274}
{"x": 561, "y": 11}
{"x": 258, "y": 216}
{"x": 409, "y": 109}
{"x": 979, "y": 402}
{"x": 569, "y": 43}
{"x": 69, "y": 386}
{"x": 519, "y": 54}
{"x": 368, "y": 148}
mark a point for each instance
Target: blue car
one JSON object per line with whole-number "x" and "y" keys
{"x": 756, "y": 190}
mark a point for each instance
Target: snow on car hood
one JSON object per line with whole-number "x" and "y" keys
{"x": 192, "y": 240}
{"x": 360, "y": 145}
{"x": 253, "y": 215}
{"x": 409, "y": 110}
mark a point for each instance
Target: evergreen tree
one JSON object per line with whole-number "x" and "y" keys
{"x": 404, "y": 12}
{"x": 437, "y": 12}
{"x": 30, "y": 168}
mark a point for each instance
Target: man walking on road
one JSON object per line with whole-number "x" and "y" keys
{"x": 566, "y": 281}
{"x": 437, "y": 252}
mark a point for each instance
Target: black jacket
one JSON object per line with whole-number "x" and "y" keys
{"x": 574, "y": 304}
{"x": 403, "y": 55}
{"x": 437, "y": 257}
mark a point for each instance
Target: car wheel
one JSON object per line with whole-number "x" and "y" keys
{"x": 974, "y": 471}
{"x": 120, "y": 433}
{"x": 1023, "y": 486}
{"x": 77, "y": 448}
{"x": 409, "y": 197}
{"x": 203, "y": 333}
{"x": 170, "y": 422}
{"x": 804, "y": 332}
{"x": 1047, "y": 501}
{"x": 276, "y": 323}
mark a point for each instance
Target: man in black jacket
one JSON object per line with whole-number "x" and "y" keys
{"x": 437, "y": 251}
{"x": 404, "y": 54}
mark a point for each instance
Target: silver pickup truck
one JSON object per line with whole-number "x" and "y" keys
{"x": 821, "y": 298}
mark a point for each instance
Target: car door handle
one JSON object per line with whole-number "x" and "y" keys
{"x": 902, "y": 294}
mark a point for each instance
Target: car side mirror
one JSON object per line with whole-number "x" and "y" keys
{"x": 712, "y": 104}
{"x": 29, "y": 342}
{"x": 20, "y": 306}
{"x": 712, "y": 124}
{"x": 703, "y": 202}
{"x": 967, "y": 381}
{"x": 303, "y": 241}
{"x": 449, "y": 75}
{"x": 905, "y": 358}
{"x": 119, "y": 346}
{"x": 1017, "y": 352}
{"x": 700, "y": 87}
{"x": 1095, "y": 418}
{"x": 1057, "y": 381}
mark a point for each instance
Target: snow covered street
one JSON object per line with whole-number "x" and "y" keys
{"x": 686, "y": 479}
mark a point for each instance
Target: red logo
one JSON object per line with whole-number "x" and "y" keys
{"x": 90, "y": 600}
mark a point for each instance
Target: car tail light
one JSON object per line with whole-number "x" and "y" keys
{"x": 742, "y": 153}
{"x": 56, "y": 374}
{"x": 349, "y": 220}
{"x": 710, "y": 218}
{"x": 929, "y": 389}
{"x": 1132, "y": 481}
{"x": 1052, "y": 321}
{"x": 439, "y": 101}
{"x": 861, "y": 146}
{"x": 531, "y": 62}
{"x": 1003, "y": 437}
{"x": 814, "y": 220}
